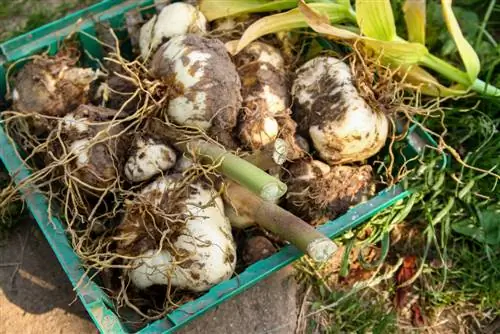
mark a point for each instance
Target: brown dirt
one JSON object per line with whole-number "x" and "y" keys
{"x": 36, "y": 296}
{"x": 326, "y": 196}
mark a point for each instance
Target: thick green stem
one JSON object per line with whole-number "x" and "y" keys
{"x": 243, "y": 172}
{"x": 454, "y": 74}
{"x": 482, "y": 87}
{"x": 446, "y": 70}
{"x": 282, "y": 223}
{"x": 231, "y": 166}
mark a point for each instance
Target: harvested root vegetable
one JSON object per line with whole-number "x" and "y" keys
{"x": 318, "y": 191}
{"x": 262, "y": 53}
{"x": 174, "y": 19}
{"x": 51, "y": 87}
{"x": 342, "y": 126}
{"x": 264, "y": 91}
{"x": 200, "y": 254}
{"x": 95, "y": 146}
{"x": 204, "y": 81}
{"x": 256, "y": 131}
{"x": 148, "y": 158}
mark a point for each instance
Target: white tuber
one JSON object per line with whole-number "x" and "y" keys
{"x": 207, "y": 84}
{"x": 174, "y": 19}
{"x": 264, "y": 91}
{"x": 150, "y": 157}
{"x": 342, "y": 126}
{"x": 205, "y": 250}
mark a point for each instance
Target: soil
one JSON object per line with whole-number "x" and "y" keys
{"x": 35, "y": 294}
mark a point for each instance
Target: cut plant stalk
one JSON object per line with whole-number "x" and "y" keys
{"x": 239, "y": 170}
{"x": 282, "y": 223}
{"x": 230, "y": 165}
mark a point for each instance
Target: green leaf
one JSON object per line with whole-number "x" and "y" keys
{"x": 468, "y": 228}
{"x": 488, "y": 230}
{"x": 467, "y": 53}
{"x": 414, "y": 12}
{"x": 216, "y": 9}
{"x": 376, "y": 19}
{"x": 490, "y": 223}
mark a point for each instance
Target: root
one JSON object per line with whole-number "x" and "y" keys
{"x": 93, "y": 214}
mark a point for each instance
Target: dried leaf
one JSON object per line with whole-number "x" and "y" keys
{"x": 406, "y": 272}
{"x": 418, "y": 319}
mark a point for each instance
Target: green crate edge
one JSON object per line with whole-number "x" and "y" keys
{"x": 92, "y": 297}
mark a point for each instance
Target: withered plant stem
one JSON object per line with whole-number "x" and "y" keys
{"x": 283, "y": 223}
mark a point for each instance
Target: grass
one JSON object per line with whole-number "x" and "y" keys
{"x": 18, "y": 17}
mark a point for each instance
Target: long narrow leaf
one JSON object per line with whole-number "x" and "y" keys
{"x": 376, "y": 19}
{"x": 414, "y": 12}
{"x": 291, "y": 19}
{"x": 467, "y": 53}
{"x": 428, "y": 84}
{"x": 216, "y": 9}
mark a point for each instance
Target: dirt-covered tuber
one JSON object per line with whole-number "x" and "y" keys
{"x": 174, "y": 19}
{"x": 148, "y": 158}
{"x": 317, "y": 191}
{"x": 95, "y": 146}
{"x": 202, "y": 250}
{"x": 50, "y": 86}
{"x": 205, "y": 84}
{"x": 328, "y": 108}
{"x": 264, "y": 91}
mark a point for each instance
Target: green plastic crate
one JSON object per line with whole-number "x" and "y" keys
{"x": 98, "y": 305}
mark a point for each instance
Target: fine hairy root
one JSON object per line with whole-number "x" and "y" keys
{"x": 85, "y": 184}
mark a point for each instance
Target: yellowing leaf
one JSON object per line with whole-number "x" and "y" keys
{"x": 467, "y": 53}
{"x": 429, "y": 85}
{"x": 414, "y": 12}
{"x": 291, "y": 19}
{"x": 216, "y": 9}
{"x": 375, "y": 19}
{"x": 397, "y": 52}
